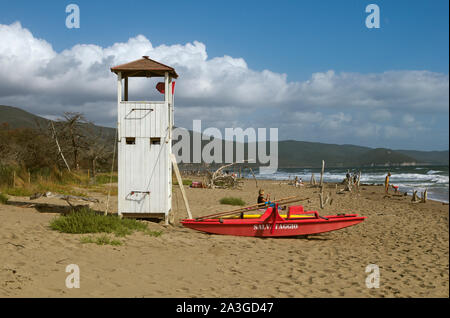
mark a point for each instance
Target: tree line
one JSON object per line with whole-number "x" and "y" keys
{"x": 71, "y": 143}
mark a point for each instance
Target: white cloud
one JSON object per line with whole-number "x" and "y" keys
{"x": 380, "y": 115}
{"x": 221, "y": 90}
{"x": 408, "y": 119}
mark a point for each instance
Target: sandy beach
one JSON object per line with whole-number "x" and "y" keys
{"x": 409, "y": 242}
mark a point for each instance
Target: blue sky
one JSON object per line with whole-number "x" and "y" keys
{"x": 293, "y": 37}
{"x": 296, "y": 38}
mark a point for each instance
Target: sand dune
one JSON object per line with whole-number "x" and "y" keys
{"x": 409, "y": 243}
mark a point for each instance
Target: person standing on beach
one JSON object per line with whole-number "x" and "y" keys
{"x": 386, "y": 183}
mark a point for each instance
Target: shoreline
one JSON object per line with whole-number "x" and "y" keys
{"x": 432, "y": 194}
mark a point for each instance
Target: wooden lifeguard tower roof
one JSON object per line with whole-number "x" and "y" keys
{"x": 144, "y": 67}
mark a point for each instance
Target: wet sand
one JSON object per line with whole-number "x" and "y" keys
{"x": 408, "y": 242}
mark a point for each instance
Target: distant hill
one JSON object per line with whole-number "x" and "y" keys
{"x": 19, "y": 118}
{"x": 382, "y": 156}
{"x": 291, "y": 153}
{"x": 430, "y": 157}
{"x": 311, "y": 154}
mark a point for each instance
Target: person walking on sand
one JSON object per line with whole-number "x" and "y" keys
{"x": 386, "y": 183}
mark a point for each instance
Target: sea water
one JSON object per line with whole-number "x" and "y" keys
{"x": 408, "y": 179}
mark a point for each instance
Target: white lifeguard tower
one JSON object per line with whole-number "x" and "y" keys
{"x": 144, "y": 143}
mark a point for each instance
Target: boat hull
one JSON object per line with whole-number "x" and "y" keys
{"x": 271, "y": 228}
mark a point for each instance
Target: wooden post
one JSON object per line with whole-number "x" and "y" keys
{"x": 321, "y": 173}
{"x": 167, "y": 92}
{"x": 253, "y": 176}
{"x": 169, "y": 103}
{"x": 119, "y": 99}
{"x": 171, "y": 109}
{"x": 424, "y": 196}
{"x": 414, "y": 196}
{"x": 14, "y": 179}
{"x": 180, "y": 183}
{"x": 322, "y": 201}
{"x": 313, "y": 180}
{"x": 59, "y": 148}
{"x": 119, "y": 87}
{"x": 125, "y": 98}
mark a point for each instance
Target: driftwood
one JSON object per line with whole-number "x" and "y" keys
{"x": 416, "y": 199}
{"x": 254, "y": 177}
{"x": 323, "y": 201}
{"x": 313, "y": 180}
{"x": 348, "y": 186}
{"x": 321, "y": 173}
{"x": 64, "y": 197}
{"x": 57, "y": 144}
{"x": 222, "y": 181}
{"x": 424, "y": 197}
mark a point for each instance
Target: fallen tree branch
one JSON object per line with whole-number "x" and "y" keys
{"x": 57, "y": 144}
{"x": 220, "y": 180}
{"x": 64, "y": 197}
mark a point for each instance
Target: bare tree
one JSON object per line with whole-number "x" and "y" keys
{"x": 98, "y": 151}
{"x": 73, "y": 130}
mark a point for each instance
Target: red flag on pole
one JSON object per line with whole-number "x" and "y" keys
{"x": 160, "y": 87}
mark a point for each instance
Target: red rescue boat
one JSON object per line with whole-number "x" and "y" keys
{"x": 272, "y": 224}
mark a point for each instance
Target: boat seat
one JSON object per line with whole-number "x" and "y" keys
{"x": 296, "y": 209}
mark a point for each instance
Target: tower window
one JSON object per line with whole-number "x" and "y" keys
{"x": 155, "y": 141}
{"x": 130, "y": 140}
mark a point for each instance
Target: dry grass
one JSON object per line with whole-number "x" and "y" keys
{"x": 232, "y": 201}
{"x": 16, "y": 181}
{"x": 100, "y": 240}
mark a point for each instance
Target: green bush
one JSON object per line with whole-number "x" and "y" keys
{"x": 19, "y": 192}
{"x": 101, "y": 240}
{"x": 153, "y": 233}
{"x": 232, "y": 201}
{"x": 87, "y": 221}
{"x": 3, "y": 198}
{"x": 6, "y": 175}
{"x": 185, "y": 182}
{"x": 105, "y": 178}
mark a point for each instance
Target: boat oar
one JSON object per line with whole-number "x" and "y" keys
{"x": 243, "y": 209}
{"x": 251, "y": 208}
